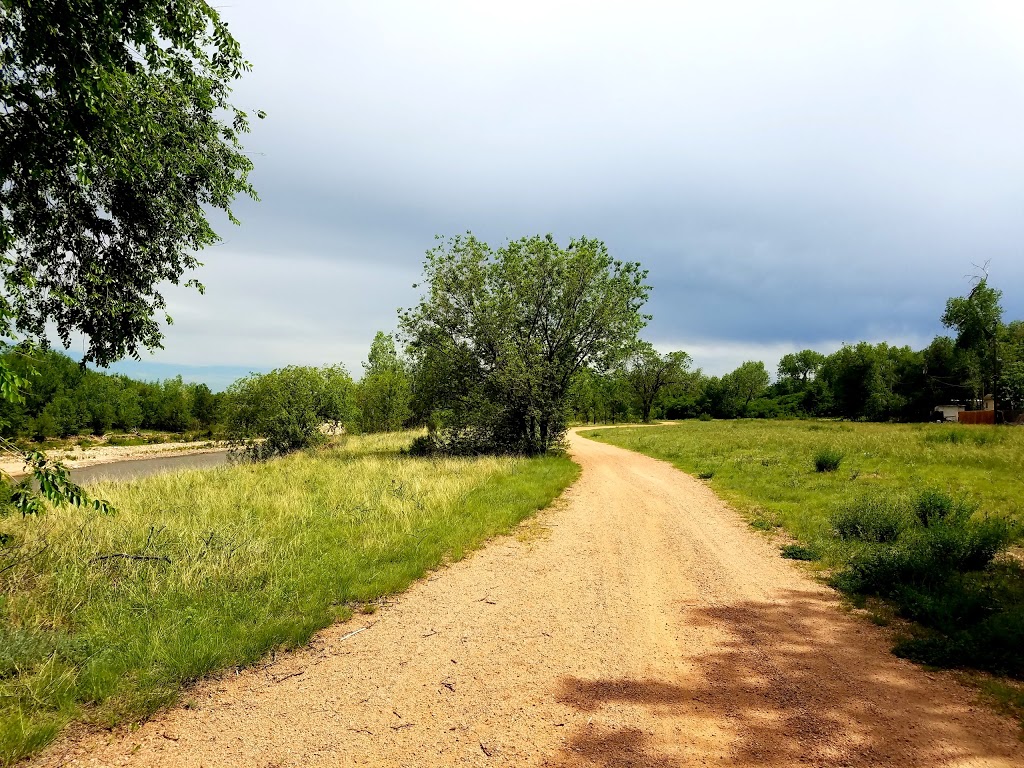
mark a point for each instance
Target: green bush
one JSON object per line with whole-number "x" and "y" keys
{"x": 993, "y": 644}
{"x": 926, "y": 558}
{"x": 799, "y": 552}
{"x": 936, "y": 562}
{"x": 275, "y": 413}
{"x": 932, "y": 507}
{"x": 827, "y": 460}
{"x": 871, "y": 518}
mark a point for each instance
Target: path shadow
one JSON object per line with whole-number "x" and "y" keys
{"x": 790, "y": 682}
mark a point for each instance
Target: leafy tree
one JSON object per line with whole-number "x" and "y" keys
{"x": 1011, "y": 365}
{"x": 797, "y": 369}
{"x": 67, "y": 415}
{"x": 128, "y": 408}
{"x": 204, "y": 405}
{"x": 747, "y": 383}
{"x": 977, "y": 319}
{"x": 116, "y": 138}
{"x": 175, "y": 414}
{"x": 1012, "y": 386}
{"x": 601, "y": 396}
{"x": 876, "y": 382}
{"x": 945, "y": 370}
{"x": 650, "y": 374}
{"x": 384, "y": 393}
{"x": 505, "y": 332}
{"x": 584, "y": 396}
{"x": 43, "y": 426}
{"x": 276, "y": 413}
{"x": 98, "y": 395}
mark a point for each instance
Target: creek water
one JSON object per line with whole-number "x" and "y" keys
{"x": 136, "y": 468}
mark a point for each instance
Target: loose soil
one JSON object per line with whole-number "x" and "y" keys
{"x": 638, "y": 622}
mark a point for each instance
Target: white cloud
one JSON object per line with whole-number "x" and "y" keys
{"x": 267, "y": 311}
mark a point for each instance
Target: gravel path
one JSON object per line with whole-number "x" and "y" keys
{"x": 638, "y": 622}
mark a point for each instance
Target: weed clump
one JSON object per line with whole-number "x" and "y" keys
{"x": 936, "y": 561}
{"x": 827, "y": 460}
{"x": 799, "y": 552}
{"x": 873, "y": 518}
{"x": 973, "y": 435}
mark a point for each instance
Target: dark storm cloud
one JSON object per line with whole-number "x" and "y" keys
{"x": 793, "y": 175}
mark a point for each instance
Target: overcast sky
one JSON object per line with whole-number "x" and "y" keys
{"x": 792, "y": 174}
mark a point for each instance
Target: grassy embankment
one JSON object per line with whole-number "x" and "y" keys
{"x": 240, "y": 560}
{"x": 116, "y": 439}
{"x": 910, "y": 520}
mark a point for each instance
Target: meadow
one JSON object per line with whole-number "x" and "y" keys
{"x": 104, "y": 618}
{"x": 919, "y": 521}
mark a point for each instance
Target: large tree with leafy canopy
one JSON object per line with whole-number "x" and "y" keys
{"x": 798, "y": 369}
{"x": 117, "y": 137}
{"x": 503, "y": 332}
{"x": 977, "y": 319}
{"x": 650, "y": 373}
{"x": 383, "y": 394}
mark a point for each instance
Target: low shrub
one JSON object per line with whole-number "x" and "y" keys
{"x": 936, "y": 561}
{"x": 827, "y": 460}
{"x": 993, "y": 644}
{"x": 926, "y": 558}
{"x": 932, "y": 507}
{"x": 873, "y": 518}
{"x": 799, "y": 552}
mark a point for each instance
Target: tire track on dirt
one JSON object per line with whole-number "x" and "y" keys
{"x": 638, "y": 622}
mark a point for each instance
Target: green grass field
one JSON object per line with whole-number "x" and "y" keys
{"x": 226, "y": 565}
{"x": 922, "y": 518}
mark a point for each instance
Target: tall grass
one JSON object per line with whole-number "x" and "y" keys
{"x": 914, "y": 514}
{"x": 104, "y": 618}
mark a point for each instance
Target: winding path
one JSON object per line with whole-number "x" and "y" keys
{"x": 638, "y": 622}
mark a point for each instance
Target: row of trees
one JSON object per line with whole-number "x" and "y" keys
{"x": 877, "y": 382}
{"x": 479, "y": 386}
{"x": 507, "y": 346}
{"x": 63, "y": 399}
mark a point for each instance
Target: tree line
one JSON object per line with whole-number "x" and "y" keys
{"x": 864, "y": 381}
{"x": 63, "y": 398}
{"x": 510, "y": 345}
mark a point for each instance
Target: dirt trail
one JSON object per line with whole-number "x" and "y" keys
{"x": 638, "y": 622}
